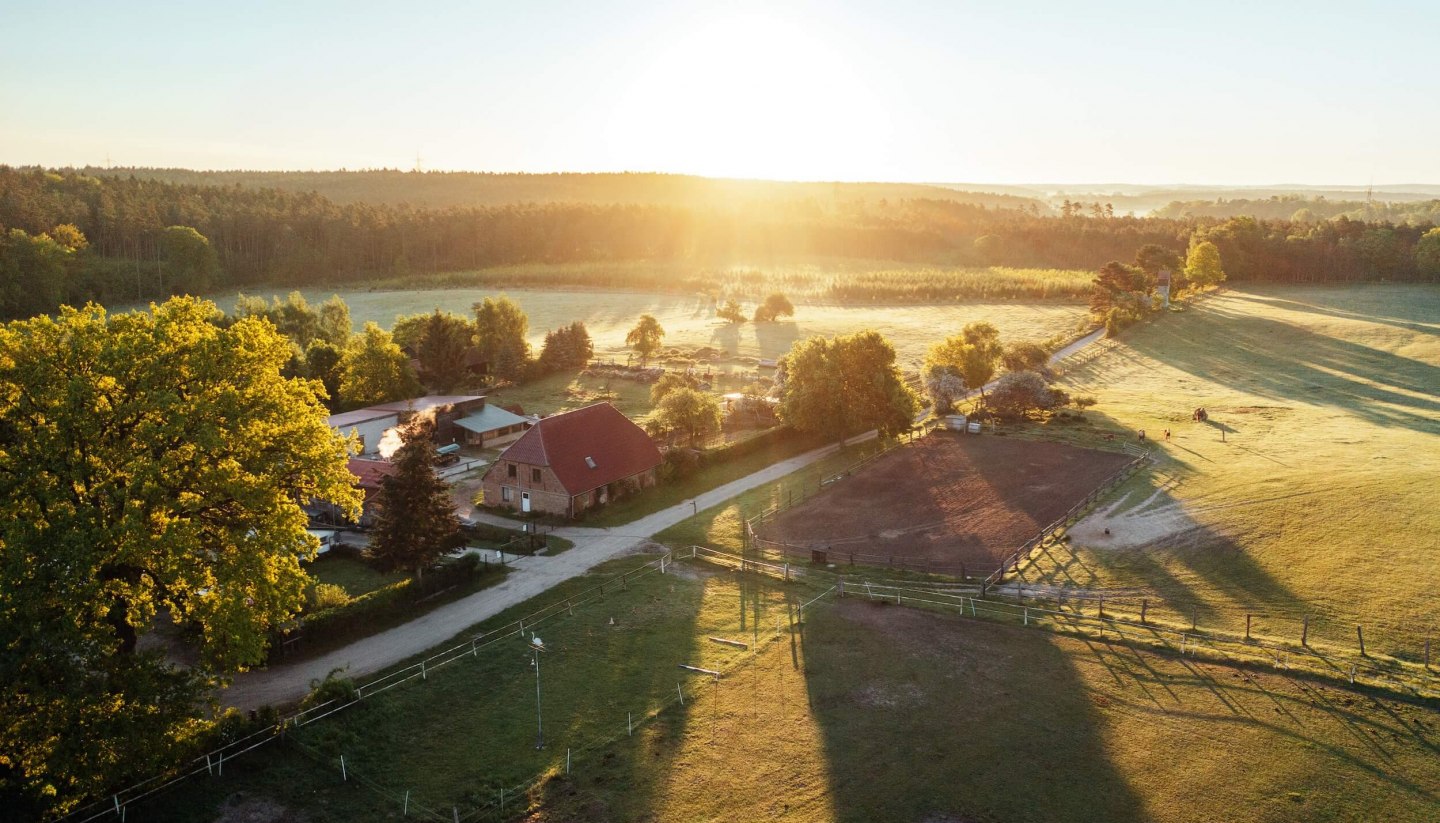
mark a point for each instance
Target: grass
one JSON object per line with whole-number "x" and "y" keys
{"x": 722, "y": 526}
{"x": 352, "y": 574}
{"x": 674, "y": 492}
{"x": 1319, "y": 499}
{"x": 689, "y": 321}
{"x": 872, "y": 712}
{"x": 844, "y": 280}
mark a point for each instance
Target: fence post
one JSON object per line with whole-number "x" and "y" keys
{"x": 629, "y": 725}
{"x": 423, "y": 675}
{"x": 405, "y": 806}
{"x": 680, "y": 692}
{"x": 1144, "y": 607}
{"x": 787, "y": 571}
{"x": 343, "y": 774}
{"x": 1247, "y": 627}
{"x": 1102, "y": 607}
{"x": 1427, "y": 652}
{"x": 1360, "y": 633}
{"x": 1027, "y": 615}
{"x": 842, "y": 587}
{"x": 567, "y": 761}
{"x": 1305, "y": 631}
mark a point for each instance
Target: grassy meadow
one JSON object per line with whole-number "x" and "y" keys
{"x": 868, "y": 712}
{"x": 1310, "y": 491}
{"x": 689, "y": 320}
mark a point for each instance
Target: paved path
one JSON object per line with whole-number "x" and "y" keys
{"x": 529, "y": 577}
{"x": 285, "y": 683}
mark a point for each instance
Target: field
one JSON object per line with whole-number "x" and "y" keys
{"x": 689, "y": 320}
{"x": 1311, "y": 491}
{"x": 868, "y": 712}
{"x": 944, "y": 500}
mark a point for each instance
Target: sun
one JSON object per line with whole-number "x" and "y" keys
{"x": 751, "y": 95}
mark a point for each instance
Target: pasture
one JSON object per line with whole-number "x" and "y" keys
{"x": 945, "y": 502}
{"x": 1311, "y": 490}
{"x": 689, "y": 320}
{"x": 865, "y": 712}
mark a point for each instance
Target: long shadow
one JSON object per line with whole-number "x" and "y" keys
{"x": 776, "y": 337}
{"x": 1284, "y": 362}
{"x": 1416, "y": 315}
{"x": 931, "y": 718}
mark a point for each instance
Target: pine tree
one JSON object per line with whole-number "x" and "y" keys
{"x": 416, "y": 523}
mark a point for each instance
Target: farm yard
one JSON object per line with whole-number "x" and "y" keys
{"x": 944, "y": 501}
{"x": 996, "y": 722}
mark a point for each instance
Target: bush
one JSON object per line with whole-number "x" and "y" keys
{"x": 324, "y": 596}
{"x": 333, "y": 687}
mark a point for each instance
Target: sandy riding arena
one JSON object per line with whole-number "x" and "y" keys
{"x": 946, "y": 499}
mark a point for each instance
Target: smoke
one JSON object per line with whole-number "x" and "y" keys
{"x": 394, "y": 438}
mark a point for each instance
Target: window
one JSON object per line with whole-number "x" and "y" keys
{"x": 505, "y": 493}
{"x": 534, "y": 475}
{"x": 512, "y": 470}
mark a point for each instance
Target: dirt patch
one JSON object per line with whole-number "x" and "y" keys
{"x": 945, "y": 500}
{"x": 242, "y": 808}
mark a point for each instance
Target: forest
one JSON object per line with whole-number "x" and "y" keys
{"x": 67, "y": 237}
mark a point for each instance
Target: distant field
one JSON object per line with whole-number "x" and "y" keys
{"x": 689, "y": 320}
{"x": 872, "y": 712}
{"x": 1321, "y": 498}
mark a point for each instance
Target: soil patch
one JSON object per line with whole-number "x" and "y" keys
{"x": 944, "y": 500}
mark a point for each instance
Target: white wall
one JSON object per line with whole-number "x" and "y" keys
{"x": 372, "y": 431}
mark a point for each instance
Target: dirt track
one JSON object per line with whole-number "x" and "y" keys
{"x": 946, "y": 499}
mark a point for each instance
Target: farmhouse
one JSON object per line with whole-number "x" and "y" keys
{"x": 573, "y": 461}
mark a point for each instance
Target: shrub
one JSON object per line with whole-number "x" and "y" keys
{"x": 324, "y": 596}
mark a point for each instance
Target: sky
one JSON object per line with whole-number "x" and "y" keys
{"x": 1243, "y": 93}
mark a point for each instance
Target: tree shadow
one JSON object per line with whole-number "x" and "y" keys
{"x": 1342, "y": 303}
{"x": 776, "y": 337}
{"x": 1280, "y": 361}
{"x": 926, "y": 717}
{"x": 727, "y": 337}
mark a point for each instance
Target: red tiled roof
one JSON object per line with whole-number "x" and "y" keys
{"x": 369, "y": 473}
{"x": 609, "y": 439}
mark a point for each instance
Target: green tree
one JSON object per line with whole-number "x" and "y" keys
{"x": 845, "y": 386}
{"x": 34, "y": 273}
{"x": 730, "y": 312}
{"x": 1018, "y": 393}
{"x": 322, "y": 362}
{"x": 190, "y": 261}
{"x": 1025, "y": 356}
{"x": 375, "y": 370}
{"x": 1152, "y": 257}
{"x": 687, "y": 410}
{"x": 416, "y": 522}
{"x": 944, "y": 385}
{"x": 645, "y": 337}
{"x": 500, "y": 329}
{"x": 1202, "y": 264}
{"x": 568, "y": 347}
{"x": 333, "y": 325}
{"x": 151, "y": 465}
{"x": 974, "y": 353}
{"x": 669, "y": 382}
{"x": 1427, "y": 254}
{"x": 442, "y": 348}
{"x": 775, "y": 307}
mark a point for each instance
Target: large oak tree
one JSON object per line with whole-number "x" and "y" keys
{"x": 152, "y": 467}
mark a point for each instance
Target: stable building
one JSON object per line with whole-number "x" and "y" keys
{"x": 492, "y": 426}
{"x": 571, "y": 462}
{"x": 371, "y": 423}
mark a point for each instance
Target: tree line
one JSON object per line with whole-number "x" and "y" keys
{"x": 69, "y": 237}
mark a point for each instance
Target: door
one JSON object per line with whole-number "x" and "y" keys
{"x": 524, "y": 501}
